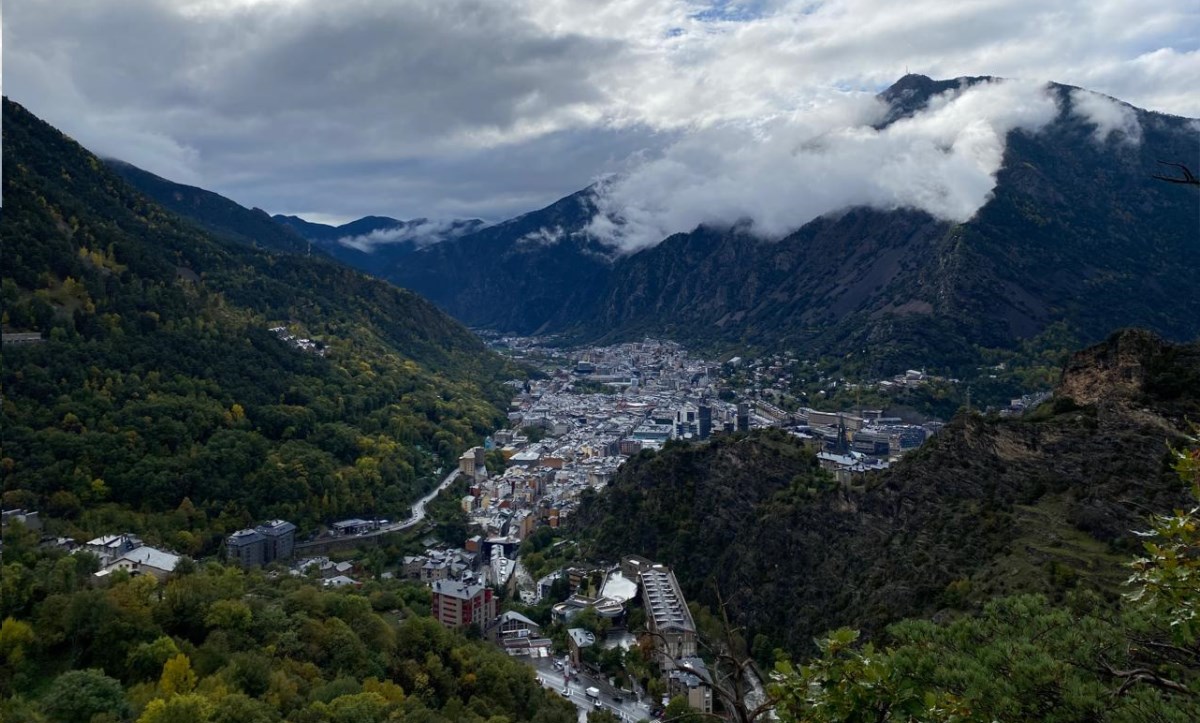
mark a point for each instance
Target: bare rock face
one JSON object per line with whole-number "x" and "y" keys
{"x": 1113, "y": 370}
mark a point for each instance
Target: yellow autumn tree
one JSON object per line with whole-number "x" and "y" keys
{"x": 178, "y": 678}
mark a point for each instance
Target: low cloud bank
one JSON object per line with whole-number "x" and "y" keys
{"x": 419, "y": 233}
{"x": 782, "y": 173}
{"x": 1110, "y": 116}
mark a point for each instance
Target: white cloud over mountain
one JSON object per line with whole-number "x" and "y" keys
{"x": 1108, "y": 115}
{"x": 783, "y": 173}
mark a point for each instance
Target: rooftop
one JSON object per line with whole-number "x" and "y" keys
{"x": 152, "y": 557}
{"x": 582, "y": 638}
{"x": 456, "y": 589}
{"x": 244, "y": 537}
{"x": 512, "y": 615}
{"x": 664, "y": 601}
{"x": 276, "y": 527}
{"x": 619, "y": 588}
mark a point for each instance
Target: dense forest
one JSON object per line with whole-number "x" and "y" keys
{"x": 1024, "y": 657}
{"x": 159, "y": 401}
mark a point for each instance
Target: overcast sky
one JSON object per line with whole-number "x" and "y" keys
{"x": 333, "y": 109}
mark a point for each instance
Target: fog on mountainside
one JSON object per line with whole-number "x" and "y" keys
{"x": 781, "y": 173}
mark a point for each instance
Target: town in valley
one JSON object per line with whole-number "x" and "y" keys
{"x": 605, "y": 625}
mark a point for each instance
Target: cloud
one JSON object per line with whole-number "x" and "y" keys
{"x": 483, "y": 108}
{"x": 1108, "y": 115}
{"x": 784, "y": 173}
{"x": 544, "y": 236}
{"x": 419, "y": 234}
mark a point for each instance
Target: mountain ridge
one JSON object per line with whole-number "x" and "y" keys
{"x": 378, "y": 244}
{"x": 1075, "y": 235}
{"x": 1076, "y": 230}
{"x": 212, "y": 211}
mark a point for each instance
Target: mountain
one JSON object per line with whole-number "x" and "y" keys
{"x": 326, "y": 234}
{"x": 378, "y": 245}
{"x": 523, "y": 275}
{"x": 373, "y": 244}
{"x": 160, "y": 386}
{"x": 213, "y": 212}
{"x": 1076, "y": 232}
{"x": 991, "y": 506}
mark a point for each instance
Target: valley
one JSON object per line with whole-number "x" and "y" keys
{"x": 529, "y": 362}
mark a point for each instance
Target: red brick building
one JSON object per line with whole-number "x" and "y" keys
{"x": 456, "y": 604}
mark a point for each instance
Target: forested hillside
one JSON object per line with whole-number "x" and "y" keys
{"x": 160, "y": 402}
{"x": 213, "y": 212}
{"x": 216, "y": 645}
{"x": 1045, "y": 503}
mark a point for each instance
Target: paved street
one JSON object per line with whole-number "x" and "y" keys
{"x": 627, "y": 710}
{"x": 418, "y": 509}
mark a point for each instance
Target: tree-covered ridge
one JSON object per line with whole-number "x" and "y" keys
{"x": 991, "y": 506}
{"x": 1022, "y": 658}
{"x": 217, "y": 645}
{"x": 159, "y": 381}
{"x": 213, "y": 212}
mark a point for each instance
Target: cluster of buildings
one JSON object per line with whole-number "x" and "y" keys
{"x": 867, "y": 432}
{"x": 849, "y": 444}
{"x": 462, "y": 597}
{"x": 122, "y": 552}
{"x": 127, "y": 553}
{"x": 332, "y": 574}
{"x": 571, "y": 431}
{"x": 274, "y": 541}
{"x": 670, "y": 629}
{"x": 305, "y": 345}
{"x": 910, "y": 379}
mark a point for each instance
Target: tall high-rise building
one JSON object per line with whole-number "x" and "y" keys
{"x": 704, "y": 413}
{"x": 743, "y": 416}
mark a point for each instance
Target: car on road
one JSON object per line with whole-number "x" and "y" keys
{"x": 565, "y": 693}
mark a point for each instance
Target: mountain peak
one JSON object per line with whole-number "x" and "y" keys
{"x": 911, "y": 93}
